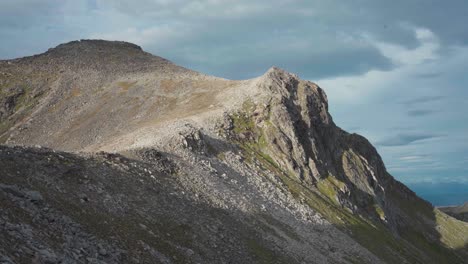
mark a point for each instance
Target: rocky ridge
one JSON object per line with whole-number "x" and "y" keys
{"x": 460, "y": 212}
{"x": 253, "y": 170}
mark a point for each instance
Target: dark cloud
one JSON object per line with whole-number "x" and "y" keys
{"x": 445, "y": 19}
{"x": 420, "y": 112}
{"x": 252, "y": 62}
{"x": 237, "y": 39}
{"x": 381, "y": 17}
{"x": 22, "y": 14}
{"x": 428, "y": 75}
{"x": 406, "y": 139}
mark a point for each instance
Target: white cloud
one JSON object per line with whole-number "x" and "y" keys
{"x": 416, "y": 158}
{"x": 355, "y": 89}
{"x": 426, "y": 51}
{"x": 375, "y": 99}
{"x": 157, "y": 35}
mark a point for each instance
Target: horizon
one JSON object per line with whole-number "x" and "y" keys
{"x": 391, "y": 74}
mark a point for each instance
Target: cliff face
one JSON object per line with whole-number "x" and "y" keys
{"x": 293, "y": 128}
{"x": 264, "y": 153}
{"x": 293, "y": 133}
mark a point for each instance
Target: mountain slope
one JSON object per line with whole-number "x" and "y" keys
{"x": 260, "y": 158}
{"x": 75, "y": 86}
{"x": 459, "y": 212}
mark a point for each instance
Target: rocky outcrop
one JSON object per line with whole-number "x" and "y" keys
{"x": 292, "y": 131}
{"x": 293, "y": 127}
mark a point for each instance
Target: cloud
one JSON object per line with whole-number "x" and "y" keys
{"x": 21, "y": 14}
{"x": 407, "y": 61}
{"x": 420, "y": 112}
{"x": 423, "y": 99}
{"x": 377, "y": 16}
{"x": 428, "y": 75}
{"x": 305, "y": 38}
{"x": 316, "y": 39}
{"x": 406, "y": 139}
{"x": 416, "y": 158}
{"x": 426, "y": 51}
{"x": 165, "y": 34}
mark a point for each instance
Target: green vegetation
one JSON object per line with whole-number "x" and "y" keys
{"x": 373, "y": 235}
{"x": 380, "y": 212}
{"x": 329, "y": 187}
{"x": 264, "y": 255}
{"x": 26, "y": 90}
{"x": 23, "y": 103}
{"x": 322, "y": 200}
{"x": 261, "y": 253}
{"x": 454, "y": 233}
{"x": 251, "y": 138}
{"x": 125, "y": 86}
{"x": 221, "y": 156}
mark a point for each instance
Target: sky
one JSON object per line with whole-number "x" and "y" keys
{"x": 395, "y": 71}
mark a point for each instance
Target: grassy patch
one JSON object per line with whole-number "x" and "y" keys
{"x": 263, "y": 254}
{"x": 221, "y": 156}
{"x": 329, "y": 187}
{"x": 33, "y": 85}
{"x": 454, "y": 233}
{"x": 380, "y": 212}
{"x": 125, "y": 86}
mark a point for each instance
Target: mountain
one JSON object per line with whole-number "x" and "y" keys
{"x": 459, "y": 212}
{"x": 113, "y": 155}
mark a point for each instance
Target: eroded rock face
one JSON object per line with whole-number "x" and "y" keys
{"x": 8, "y": 103}
{"x": 297, "y": 113}
{"x": 191, "y": 138}
{"x": 288, "y": 130}
{"x": 293, "y": 128}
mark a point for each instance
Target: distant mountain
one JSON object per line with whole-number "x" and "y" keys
{"x": 459, "y": 212}
{"x": 113, "y": 155}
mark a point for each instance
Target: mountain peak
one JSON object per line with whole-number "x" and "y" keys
{"x": 99, "y": 56}
{"x": 275, "y": 72}
{"x": 89, "y": 44}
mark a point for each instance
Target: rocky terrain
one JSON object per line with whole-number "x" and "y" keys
{"x": 460, "y": 212}
{"x": 113, "y": 155}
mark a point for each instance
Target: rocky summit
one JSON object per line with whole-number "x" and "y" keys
{"x": 112, "y": 155}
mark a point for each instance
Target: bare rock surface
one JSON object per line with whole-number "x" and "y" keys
{"x": 106, "y": 208}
